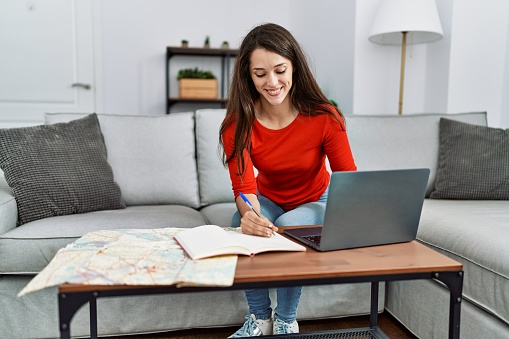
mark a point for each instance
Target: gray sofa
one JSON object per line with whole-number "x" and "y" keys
{"x": 169, "y": 173}
{"x": 473, "y": 232}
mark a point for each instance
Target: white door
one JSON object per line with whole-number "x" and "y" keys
{"x": 46, "y": 59}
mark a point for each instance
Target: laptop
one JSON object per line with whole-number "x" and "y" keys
{"x": 368, "y": 208}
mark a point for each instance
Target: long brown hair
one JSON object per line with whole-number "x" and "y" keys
{"x": 305, "y": 94}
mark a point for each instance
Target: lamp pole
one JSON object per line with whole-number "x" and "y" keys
{"x": 402, "y": 74}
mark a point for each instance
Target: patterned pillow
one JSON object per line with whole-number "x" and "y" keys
{"x": 473, "y": 162}
{"x": 58, "y": 169}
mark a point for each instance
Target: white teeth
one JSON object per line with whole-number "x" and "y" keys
{"x": 274, "y": 92}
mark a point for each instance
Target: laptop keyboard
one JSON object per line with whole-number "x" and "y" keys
{"x": 315, "y": 239}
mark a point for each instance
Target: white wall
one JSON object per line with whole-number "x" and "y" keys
{"x": 504, "y": 107}
{"x": 437, "y": 63}
{"x": 135, "y": 34}
{"x": 326, "y": 31}
{"x": 464, "y": 71}
{"x": 377, "y": 70}
{"x": 467, "y": 70}
{"x": 478, "y": 59}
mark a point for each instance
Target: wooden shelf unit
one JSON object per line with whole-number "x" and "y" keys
{"x": 223, "y": 53}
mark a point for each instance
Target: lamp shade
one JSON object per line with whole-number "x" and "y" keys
{"x": 417, "y": 17}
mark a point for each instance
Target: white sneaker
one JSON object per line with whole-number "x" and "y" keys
{"x": 280, "y": 327}
{"x": 253, "y": 327}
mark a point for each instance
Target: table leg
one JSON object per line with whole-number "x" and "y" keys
{"x": 374, "y": 304}
{"x": 68, "y": 305}
{"x": 93, "y": 316}
{"x": 454, "y": 282}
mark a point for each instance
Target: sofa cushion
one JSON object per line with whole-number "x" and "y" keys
{"x": 58, "y": 170}
{"x": 407, "y": 141}
{"x": 215, "y": 184}
{"x": 8, "y": 207}
{"x": 473, "y": 162}
{"x": 29, "y": 248}
{"x": 475, "y": 233}
{"x": 423, "y": 307}
{"x": 219, "y": 214}
{"x": 152, "y": 157}
{"x": 128, "y": 315}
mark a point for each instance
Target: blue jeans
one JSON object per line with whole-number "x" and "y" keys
{"x": 287, "y": 297}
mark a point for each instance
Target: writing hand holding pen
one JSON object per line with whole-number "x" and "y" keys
{"x": 255, "y": 223}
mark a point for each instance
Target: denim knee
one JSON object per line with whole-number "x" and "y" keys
{"x": 267, "y": 208}
{"x": 236, "y": 219}
{"x": 311, "y": 213}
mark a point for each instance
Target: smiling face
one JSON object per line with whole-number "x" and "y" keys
{"x": 272, "y": 76}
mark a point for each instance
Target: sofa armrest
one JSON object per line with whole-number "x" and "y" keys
{"x": 8, "y": 207}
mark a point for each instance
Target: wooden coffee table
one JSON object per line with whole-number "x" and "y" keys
{"x": 404, "y": 261}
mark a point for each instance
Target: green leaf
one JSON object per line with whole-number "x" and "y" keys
{"x": 194, "y": 73}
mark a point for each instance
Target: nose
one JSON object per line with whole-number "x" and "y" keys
{"x": 272, "y": 79}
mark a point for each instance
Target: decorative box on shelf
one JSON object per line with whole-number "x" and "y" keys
{"x": 198, "y": 88}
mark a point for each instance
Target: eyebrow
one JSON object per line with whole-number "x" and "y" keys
{"x": 262, "y": 69}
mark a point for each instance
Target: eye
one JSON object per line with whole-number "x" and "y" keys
{"x": 259, "y": 75}
{"x": 281, "y": 72}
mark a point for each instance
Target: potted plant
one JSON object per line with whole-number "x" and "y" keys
{"x": 197, "y": 84}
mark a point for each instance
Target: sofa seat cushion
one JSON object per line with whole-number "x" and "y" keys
{"x": 474, "y": 233}
{"x": 27, "y": 249}
{"x": 166, "y": 312}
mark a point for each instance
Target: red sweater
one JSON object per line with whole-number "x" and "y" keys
{"x": 291, "y": 161}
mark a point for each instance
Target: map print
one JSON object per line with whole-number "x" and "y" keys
{"x": 132, "y": 257}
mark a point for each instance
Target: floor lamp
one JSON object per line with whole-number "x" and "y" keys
{"x": 405, "y": 22}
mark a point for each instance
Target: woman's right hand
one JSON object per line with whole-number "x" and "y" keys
{"x": 255, "y": 225}
{"x": 250, "y": 222}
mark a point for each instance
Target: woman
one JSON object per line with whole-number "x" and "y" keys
{"x": 278, "y": 121}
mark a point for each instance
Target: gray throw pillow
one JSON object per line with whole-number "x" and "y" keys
{"x": 473, "y": 162}
{"x": 153, "y": 157}
{"x": 58, "y": 169}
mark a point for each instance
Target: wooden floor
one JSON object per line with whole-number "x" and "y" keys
{"x": 390, "y": 326}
